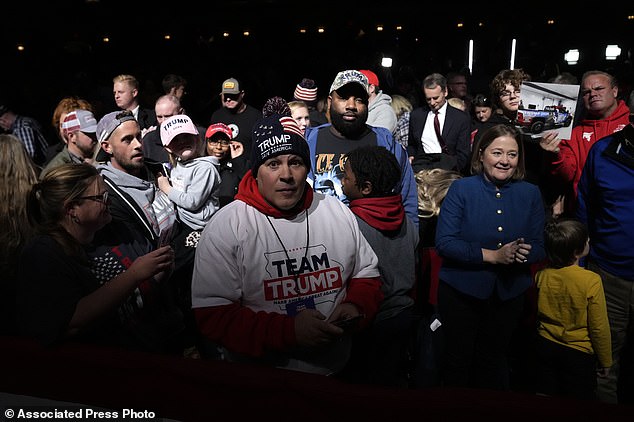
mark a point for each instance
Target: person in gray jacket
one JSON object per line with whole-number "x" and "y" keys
{"x": 145, "y": 219}
{"x": 380, "y": 111}
{"x": 370, "y": 180}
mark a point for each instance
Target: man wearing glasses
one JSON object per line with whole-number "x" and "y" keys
{"x": 506, "y": 91}
{"x": 235, "y": 113}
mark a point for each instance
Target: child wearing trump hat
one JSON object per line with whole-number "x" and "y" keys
{"x": 193, "y": 187}
{"x": 193, "y": 182}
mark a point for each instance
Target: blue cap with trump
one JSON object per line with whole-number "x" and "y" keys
{"x": 277, "y": 135}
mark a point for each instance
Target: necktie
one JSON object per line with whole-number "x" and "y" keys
{"x": 441, "y": 141}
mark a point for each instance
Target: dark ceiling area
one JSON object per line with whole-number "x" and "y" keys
{"x": 66, "y": 52}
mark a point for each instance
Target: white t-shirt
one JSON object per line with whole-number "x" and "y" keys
{"x": 240, "y": 258}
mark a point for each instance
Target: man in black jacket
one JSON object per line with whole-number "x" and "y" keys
{"x": 439, "y": 134}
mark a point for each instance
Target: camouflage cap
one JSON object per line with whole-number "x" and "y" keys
{"x": 346, "y": 77}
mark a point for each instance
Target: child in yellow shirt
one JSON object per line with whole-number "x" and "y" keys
{"x": 573, "y": 345}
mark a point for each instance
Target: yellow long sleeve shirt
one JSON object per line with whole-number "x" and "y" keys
{"x": 571, "y": 310}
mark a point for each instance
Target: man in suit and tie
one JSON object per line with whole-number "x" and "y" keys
{"x": 439, "y": 133}
{"x": 125, "y": 89}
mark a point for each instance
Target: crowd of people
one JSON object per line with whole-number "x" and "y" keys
{"x": 356, "y": 234}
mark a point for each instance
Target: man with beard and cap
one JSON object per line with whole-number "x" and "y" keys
{"x": 284, "y": 264}
{"x": 79, "y": 129}
{"x": 131, "y": 182}
{"x": 329, "y": 144}
{"x": 143, "y": 219}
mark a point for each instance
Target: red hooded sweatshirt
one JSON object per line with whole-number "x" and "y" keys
{"x": 566, "y": 166}
{"x": 244, "y": 331}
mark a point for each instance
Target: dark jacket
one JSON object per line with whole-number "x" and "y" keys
{"x": 146, "y": 118}
{"x": 231, "y": 172}
{"x": 474, "y": 215}
{"x": 456, "y": 133}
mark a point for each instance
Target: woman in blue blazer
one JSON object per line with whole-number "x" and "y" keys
{"x": 490, "y": 230}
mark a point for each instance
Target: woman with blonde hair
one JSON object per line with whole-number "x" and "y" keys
{"x": 433, "y": 185}
{"x": 402, "y": 107}
{"x": 432, "y": 188}
{"x": 458, "y": 103}
{"x": 17, "y": 174}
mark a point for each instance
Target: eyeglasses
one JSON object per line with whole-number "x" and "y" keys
{"x": 232, "y": 97}
{"x": 506, "y": 93}
{"x": 223, "y": 143}
{"x": 103, "y": 197}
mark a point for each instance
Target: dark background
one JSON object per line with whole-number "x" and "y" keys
{"x": 65, "y": 53}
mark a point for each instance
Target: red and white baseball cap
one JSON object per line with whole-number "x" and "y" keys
{"x": 82, "y": 120}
